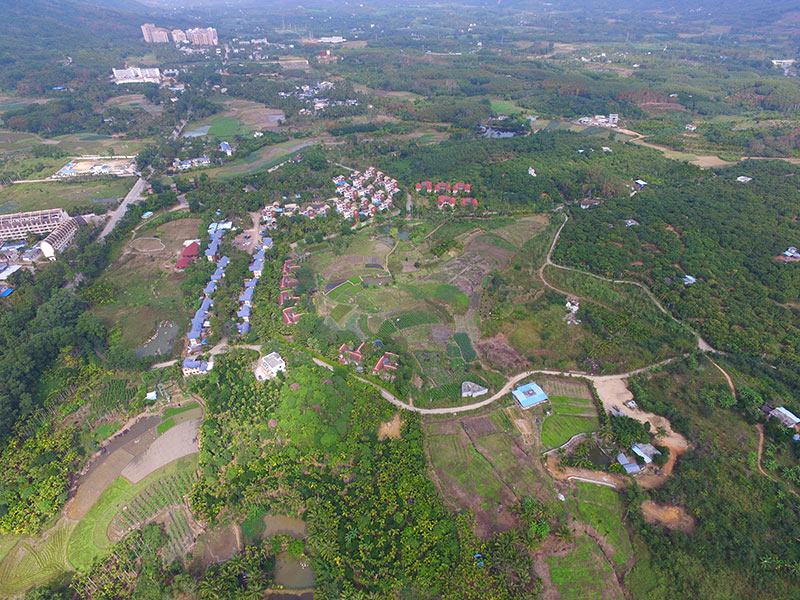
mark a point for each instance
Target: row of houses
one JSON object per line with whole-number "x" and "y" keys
{"x": 365, "y": 194}
{"x": 256, "y": 269}
{"x": 200, "y": 321}
{"x": 191, "y": 163}
{"x": 286, "y": 289}
{"x": 442, "y": 188}
{"x": 450, "y": 201}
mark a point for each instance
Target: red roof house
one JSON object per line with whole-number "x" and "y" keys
{"x": 191, "y": 251}
{"x": 446, "y": 201}
{"x": 469, "y": 201}
{"x": 386, "y": 362}
{"x": 289, "y": 316}
{"x": 461, "y": 187}
{"x": 349, "y": 356}
{"x": 442, "y": 187}
{"x": 426, "y": 185}
{"x": 183, "y": 262}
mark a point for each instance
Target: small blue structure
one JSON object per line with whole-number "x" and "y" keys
{"x": 267, "y": 243}
{"x": 243, "y": 328}
{"x": 218, "y": 275}
{"x": 223, "y": 262}
{"x": 646, "y": 451}
{"x": 688, "y": 279}
{"x": 147, "y": 215}
{"x": 529, "y": 395}
{"x": 6, "y": 293}
{"x": 226, "y": 148}
{"x": 247, "y": 295}
{"x": 210, "y": 288}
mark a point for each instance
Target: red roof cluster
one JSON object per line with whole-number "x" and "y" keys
{"x": 188, "y": 256}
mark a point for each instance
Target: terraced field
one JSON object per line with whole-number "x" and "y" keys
{"x": 569, "y": 417}
{"x": 32, "y": 563}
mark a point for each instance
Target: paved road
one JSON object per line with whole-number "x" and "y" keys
{"x": 134, "y": 195}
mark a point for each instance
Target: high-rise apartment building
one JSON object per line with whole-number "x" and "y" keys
{"x": 178, "y": 36}
{"x": 202, "y": 36}
{"x": 154, "y": 35}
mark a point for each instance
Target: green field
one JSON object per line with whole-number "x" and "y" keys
{"x": 165, "y": 425}
{"x": 225, "y": 127}
{"x": 569, "y": 417}
{"x": 505, "y": 107}
{"x": 602, "y": 508}
{"x": 583, "y": 574}
{"x": 39, "y": 196}
{"x": 34, "y": 562}
{"x": 456, "y": 458}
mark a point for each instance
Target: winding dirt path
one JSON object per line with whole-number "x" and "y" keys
{"x": 701, "y": 343}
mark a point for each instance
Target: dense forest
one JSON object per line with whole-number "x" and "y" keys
{"x": 745, "y": 297}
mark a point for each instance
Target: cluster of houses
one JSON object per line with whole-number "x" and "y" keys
{"x": 611, "y": 120}
{"x": 191, "y": 163}
{"x": 189, "y": 254}
{"x": 387, "y": 363}
{"x": 365, "y": 194}
{"x": 271, "y": 212}
{"x": 314, "y": 97}
{"x": 256, "y": 269}
{"x": 444, "y": 191}
{"x": 647, "y": 452}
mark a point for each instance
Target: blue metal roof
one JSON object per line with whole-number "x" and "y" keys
{"x": 212, "y": 285}
{"x": 529, "y": 395}
{"x": 247, "y": 295}
{"x": 6, "y": 293}
{"x": 223, "y": 262}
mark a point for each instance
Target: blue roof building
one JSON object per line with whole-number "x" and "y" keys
{"x": 259, "y": 255}
{"x": 244, "y": 312}
{"x": 529, "y": 395}
{"x": 226, "y": 148}
{"x": 206, "y": 304}
{"x": 630, "y": 467}
{"x": 247, "y": 295}
{"x": 223, "y": 262}
{"x": 646, "y": 451}
{"x": 688, "y": 280}
{"x": 218, "y": 275}
{"x": 6, "y": 293}
{"x": 251, "y": 283}
{"x": 257, "y": 266}
{"x": 210, "y": 288}
{"x": 267, "y": 243}
{"x": 243, "y": 328}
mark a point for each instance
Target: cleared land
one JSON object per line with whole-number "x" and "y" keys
{"x": 146, "y": 286}
{"x": 38, "y": 196}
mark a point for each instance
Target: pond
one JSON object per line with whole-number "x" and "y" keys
{"x": 291, "y": 573}
{"x": 161, "y": 343}
{"x": 199, "y": 132}
{"x": 598, "y": 457}
{"x": 492, "y": 132}
{"x": 283, "y": 525}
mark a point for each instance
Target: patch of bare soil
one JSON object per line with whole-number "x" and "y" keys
{"x": 176, "y": 442}
{"x": 220, "y": 546}
{"x": 496, "y": 351}
{"x": 391, "y": 429}
{"x": 613, "y": 393}
{"x": 670, "y": 516}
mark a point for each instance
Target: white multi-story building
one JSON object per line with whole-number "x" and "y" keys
{"x": 155, "y": 35}
{"x": 59, "y": 238}
{"x": 17, "y": 226}
{"x": 136, "y": 75}
{"x": 202, "y": 36}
